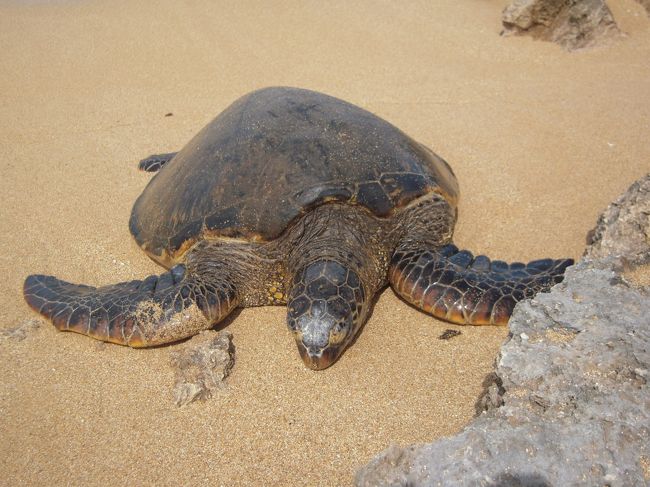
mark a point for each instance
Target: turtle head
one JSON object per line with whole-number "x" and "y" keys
{"x": 324, "y": 311}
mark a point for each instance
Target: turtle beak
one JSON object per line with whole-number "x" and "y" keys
{"x": 318, "y": 359}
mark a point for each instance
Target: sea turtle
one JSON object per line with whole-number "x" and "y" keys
{"x": 294, "y": 197}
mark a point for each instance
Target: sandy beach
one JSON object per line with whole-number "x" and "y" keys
{"x": 541, "y": 140}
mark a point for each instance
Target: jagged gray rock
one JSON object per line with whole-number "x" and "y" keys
{"x": 574, "y": 24}
{"x": 575, "y": 403}
{"x": 202, "y": 364}
{"x": 624, "y": 227}
{"x": 570, "y": 402}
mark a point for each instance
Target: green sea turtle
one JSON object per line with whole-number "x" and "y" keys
{"x": 294, "y": 197}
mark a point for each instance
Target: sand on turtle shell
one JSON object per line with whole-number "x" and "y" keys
{"x": 541, "y": 141}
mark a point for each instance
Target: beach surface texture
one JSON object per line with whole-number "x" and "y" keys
{"x": 541, "y": 140}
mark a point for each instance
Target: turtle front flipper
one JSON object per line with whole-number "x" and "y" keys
{"x": 455, "y": 286}
{"x": 156, "y": 310}
{"x": 154, "y": 162}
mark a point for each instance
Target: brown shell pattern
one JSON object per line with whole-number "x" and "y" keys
{"x": 270, "y": 157}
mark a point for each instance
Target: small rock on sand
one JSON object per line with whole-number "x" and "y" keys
{"x": 202, "y": 365}
{"x": 574, "y": 24}
{"x": 19, "y": 333}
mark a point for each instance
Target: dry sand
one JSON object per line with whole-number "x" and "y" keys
{"x": 541, "y": 140}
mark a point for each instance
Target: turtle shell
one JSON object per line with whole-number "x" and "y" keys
{"x": 273, "y": 155}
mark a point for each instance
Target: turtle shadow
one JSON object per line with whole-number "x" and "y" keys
{"x": 227, "y": 321}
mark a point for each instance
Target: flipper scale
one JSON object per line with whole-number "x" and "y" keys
{"x": 452, "y": 286}
{"x": 159, "y": 309}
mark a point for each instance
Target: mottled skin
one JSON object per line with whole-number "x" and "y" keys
{"x": 293, "y": 197}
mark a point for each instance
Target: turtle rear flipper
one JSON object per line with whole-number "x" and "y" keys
{"x": 455, "y": 286}
{"x": 156, "y": 310}
{"x": 154, "y": 162}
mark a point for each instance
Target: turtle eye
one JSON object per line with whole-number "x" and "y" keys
{"x": 338, "y": 333}
{"x": 293, "y": 324}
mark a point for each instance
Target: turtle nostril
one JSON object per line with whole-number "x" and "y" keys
{"x": 313, "y": 350}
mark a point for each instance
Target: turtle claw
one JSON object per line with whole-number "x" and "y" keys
{"x": 156, "y": 161}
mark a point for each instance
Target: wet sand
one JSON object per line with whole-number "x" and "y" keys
{"x": 541, "y": 141}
